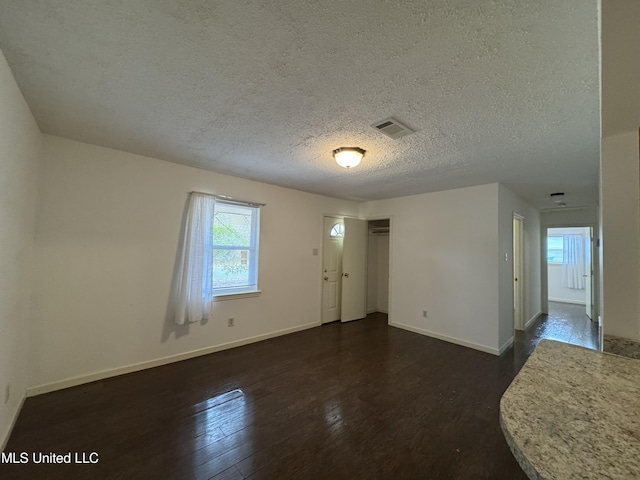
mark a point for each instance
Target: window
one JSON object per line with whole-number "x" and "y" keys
{"x": 218, "y": 254}
{"x": 236, "y": 232}
{"x": 555, "y": 249}
{"x": 337, "y": 230}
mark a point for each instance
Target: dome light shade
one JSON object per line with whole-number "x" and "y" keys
{"x": 348, "y": 157}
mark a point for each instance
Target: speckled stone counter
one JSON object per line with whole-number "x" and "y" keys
{"x": 622, "y": 346}
{"x": 574, "y": 413}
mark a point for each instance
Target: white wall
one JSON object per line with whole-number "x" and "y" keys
{"x": 510, "y": 203}
{"x": 20, "y": 141}
{"x": 557, "y": 285}
{"x": 620, "y": 66}
{"x": 443, "y": 260}
{"x": 107, "y": 236}
{"x": 378, "y": 274}
{"x": 620, "y": 199}
{"x": 570, "y": 217}
{"x": 559, "y": 292}
{"x": 619, "y": 170}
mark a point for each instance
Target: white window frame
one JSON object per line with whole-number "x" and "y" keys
{"x": 251, "y": 289}
{"x": 561, "y": 262}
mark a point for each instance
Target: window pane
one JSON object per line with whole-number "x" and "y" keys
{"x": 555, "y": 249}
{"x": 231, "y": 268}
{"x": 337, "y": 230}
{"x": 236, "y": 230}
{"x": 232, "y": 225}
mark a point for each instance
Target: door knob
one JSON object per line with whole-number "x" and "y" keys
{"x": 346, "y": 275}
{"x": 326, "y": 278}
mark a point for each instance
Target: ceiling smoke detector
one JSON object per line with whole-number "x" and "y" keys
{"x": 392, "y": 128}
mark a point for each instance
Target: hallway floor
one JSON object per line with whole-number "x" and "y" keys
{"x": 565, "y": 322}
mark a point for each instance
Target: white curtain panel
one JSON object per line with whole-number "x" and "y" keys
{"x": 194, "y": 286}
{"x": 574, "y": 267}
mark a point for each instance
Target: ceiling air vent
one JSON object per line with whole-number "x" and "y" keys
{"x": 392, "y": 128}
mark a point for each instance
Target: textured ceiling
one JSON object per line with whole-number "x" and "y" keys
{"x": 497, "y": 90}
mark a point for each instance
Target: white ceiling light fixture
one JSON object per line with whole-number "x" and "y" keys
{"x": 558, "y": 199}
{"x": 348, "y": 157}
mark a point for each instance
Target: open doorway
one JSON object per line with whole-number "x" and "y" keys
{"x": 378, "y": 266}
{"x": 571, "y": 315}
{"x": 569, "y": 278}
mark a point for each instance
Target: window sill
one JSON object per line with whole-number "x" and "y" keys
{"x": 234, "y": 296}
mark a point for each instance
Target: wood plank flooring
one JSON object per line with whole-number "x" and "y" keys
{"x": 360, "y": 400}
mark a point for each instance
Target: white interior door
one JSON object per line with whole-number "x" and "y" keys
{"x": 332, "y": 268}
{"x": 354, "y": 268}
{"x": 588, "y": 269}
{"x": 518, "y": 270}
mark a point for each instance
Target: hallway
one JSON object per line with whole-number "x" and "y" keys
{"x": 565, "y": 322}
{"x": 568, "y": 323}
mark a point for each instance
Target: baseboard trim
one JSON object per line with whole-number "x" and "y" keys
{"x": 457, "y": 341}
{"x": 114, "y": 372}
{"x": 506, "y": 346}
{"x": 532, "y": 319}
{"x": 566, "y": 300}
{"x": 7, "y": 434}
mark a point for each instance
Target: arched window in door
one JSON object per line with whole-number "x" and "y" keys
{"x": 337, "y": 230}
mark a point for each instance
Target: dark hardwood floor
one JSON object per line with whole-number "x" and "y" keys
{"x": 360, "y": 400}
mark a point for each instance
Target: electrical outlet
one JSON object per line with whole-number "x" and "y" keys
{"x": 424, "y": 313}
{"x": 231, "y": 322}
{"x": 7, "y": 393}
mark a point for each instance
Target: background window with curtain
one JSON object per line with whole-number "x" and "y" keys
{"x": 218, "y": 255}
{"x": 236, "y": 230}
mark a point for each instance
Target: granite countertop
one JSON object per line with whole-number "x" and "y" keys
{"x": 574, "y": 413}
